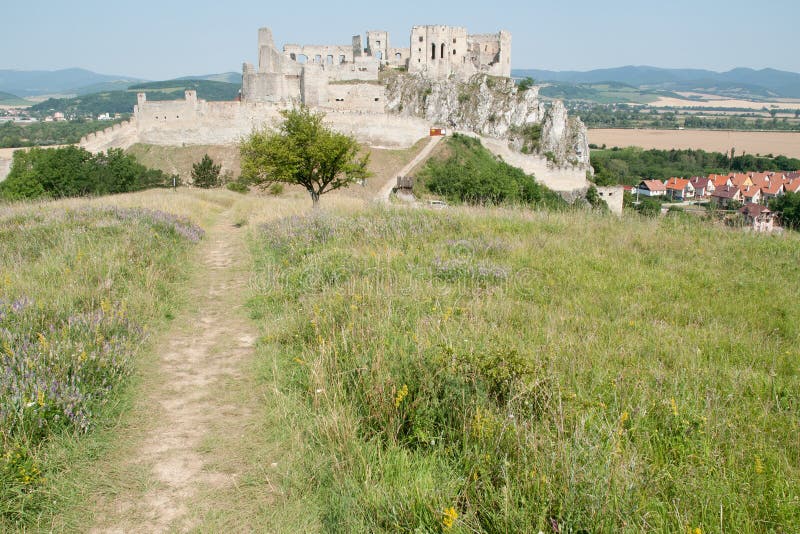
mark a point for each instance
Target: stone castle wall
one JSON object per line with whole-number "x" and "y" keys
{"x": 196, "y": 122}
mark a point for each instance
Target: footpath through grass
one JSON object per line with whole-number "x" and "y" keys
{"x": 507, "y": 371}
{"x": 80, "y": 286}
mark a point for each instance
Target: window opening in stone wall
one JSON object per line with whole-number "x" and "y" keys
{"x": 342, "y": 59}
{"x": 318, "y": 58}
{"x": 398, "y": 56}
{"x": 433, "y": 51}
{"x": 442, "y": 54}
{"x": 377, "y": 99}
{"x": 302, "y": 58}
{"x": 378, "y": 44}
{"x": 329, "y": 60}
{"x": 379, "y": 55}
{"x": 293, "y": 56}
{"x": 420, "y": 39}
{"x": 454, "y": 41}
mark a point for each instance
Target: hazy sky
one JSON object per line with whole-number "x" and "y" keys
{"x": 168, "y": 38}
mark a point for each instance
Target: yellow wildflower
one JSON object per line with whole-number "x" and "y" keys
{"x": 401, "y": 395}
{"x": 623, "y": 418}
{"x": 674, "y": 406}
{"x": 759, "y": 465}
{"x": 43, "y": 341}
{"x": 40, "y": 398}
{"x": 450, "y": 516}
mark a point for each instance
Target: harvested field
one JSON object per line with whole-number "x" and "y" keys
{"x": 776, "y": 143}
{"x": 711, "y": 101}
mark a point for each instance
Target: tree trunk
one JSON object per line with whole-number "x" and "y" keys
{"x": 314, "y": 199}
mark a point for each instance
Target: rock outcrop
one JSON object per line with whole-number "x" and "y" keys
{"x": 493, "y": 107}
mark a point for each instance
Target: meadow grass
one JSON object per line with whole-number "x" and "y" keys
{"x": 506, "y": 370}
{"x": 82, "y": 284}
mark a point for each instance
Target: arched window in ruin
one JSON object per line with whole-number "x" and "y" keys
{"x": 302, "y": 58}
{"x": 433, "y": 51}
{"x": 329, "y": 60}
{"x": 379, "y": 55}
{"x": 318, "y": 58}
{"x": 398, "y": 56}
{"x": 293, "y": 56}
{"x": 342, "y": 59}
{"x": 442, "y": 54}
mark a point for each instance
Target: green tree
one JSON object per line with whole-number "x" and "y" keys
{"x": 303, "y": 151}
{"x": 205, "y": 174}
{"x": 595, "y": 200}
{"x": 525, "y": 84}
{"x": 649, "y": 207}
{"x": 788, "y": 207}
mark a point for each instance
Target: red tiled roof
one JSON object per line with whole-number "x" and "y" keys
{"x": 772, "y": 188}
{"x": 793, "y": 186}
{"x": 718, "y": 180}
{"x": 653, "y": 185}
{"x": 754, "y": 210}
{"x": 726, "y": 191}
{"x": 677, "y": 184}
{"x": 739, "y": 179}
{"x": 750, "y": 191}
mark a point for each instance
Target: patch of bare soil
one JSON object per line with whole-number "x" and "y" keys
{"x": 179, "y": 457}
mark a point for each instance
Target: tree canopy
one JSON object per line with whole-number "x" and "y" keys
{"x": 303, "y": 151}
{"x": 205, "y": 173}
{"x": 72, "y": 171}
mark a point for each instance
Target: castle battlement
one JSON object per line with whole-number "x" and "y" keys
{"x": 307, "y": 73}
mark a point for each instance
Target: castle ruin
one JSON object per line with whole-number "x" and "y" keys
{"x": 384, "y": 96}
{"x": 328, "y": 75}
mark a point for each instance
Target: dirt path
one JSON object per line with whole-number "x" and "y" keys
{"x": 386, "y": 190}
{"x": 184, "y": 452}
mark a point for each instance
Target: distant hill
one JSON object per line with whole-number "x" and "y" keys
{"x": 206, "y": 89}
{"x": 66, "y": 81}
{"x": 228, "y": 77}
{"x": 7, "y": 99}
{"x": 123, "y": 101}
{"x": 738, "y": 83}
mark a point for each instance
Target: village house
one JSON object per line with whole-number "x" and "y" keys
{"x": 726, "y": 195}
{"x": 772, "y": 190}
{"x": 718, "y": 180}
{"x": 751, "y": 194}
{"x": 793, "y": 186}
{"x": 679, "y": 189}
{"x": 702, "y": 186}
{"x": 759, "y": 218}
{"x": 740, "y": 180}
{"x": 651, "y": 188}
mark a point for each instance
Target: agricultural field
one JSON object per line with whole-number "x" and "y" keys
{"x": 784, "y": 143}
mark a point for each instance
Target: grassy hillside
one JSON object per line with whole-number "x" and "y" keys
{"x": 80, "y": 284}
{"x": 462, "y": 170}
{"x": 7, "y": 99}
{"x": 123, "y": 101}
{"x": 517, "y": 371}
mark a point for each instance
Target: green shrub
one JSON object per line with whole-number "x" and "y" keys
{"x": 237, "y": 187}
{"x": 72, "y": 171}
{"x": 205, "y": 173}
{"x": 473, "y": 175}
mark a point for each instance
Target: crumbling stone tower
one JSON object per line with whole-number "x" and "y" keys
{"x": 439, "y": 51}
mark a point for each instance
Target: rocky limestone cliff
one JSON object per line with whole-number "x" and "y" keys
{"x": 493, "y": 107}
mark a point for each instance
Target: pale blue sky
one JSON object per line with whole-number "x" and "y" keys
{"x": 168, "y": 38}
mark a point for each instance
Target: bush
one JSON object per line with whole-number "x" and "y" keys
{"x": 473, "y": 175}
{"x": 72, "y": 172}
{"x": 238, "y": 187}
{"x": 206, "y": 174}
